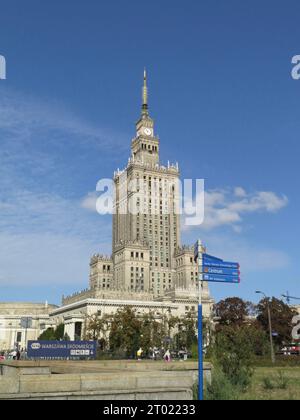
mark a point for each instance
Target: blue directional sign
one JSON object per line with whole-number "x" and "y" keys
{"x": 220, "y": 279}
{"x": 220, "y": 271}
{"x": 231, "y": 266}
{"x": 209, "y": 261}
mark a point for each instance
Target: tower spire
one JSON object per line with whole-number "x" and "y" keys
{"x": 145, "y": 96}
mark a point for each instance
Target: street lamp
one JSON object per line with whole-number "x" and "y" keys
{"x": 270, "y": 325}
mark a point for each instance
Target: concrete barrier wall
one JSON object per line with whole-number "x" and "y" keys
{"x": 99, "y": 380}
{"x": 98, "y": 386}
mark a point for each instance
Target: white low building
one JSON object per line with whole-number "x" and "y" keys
{"x": 12, "y": 333}
{"x": 297, "y": 308}
{"x": 176, "y": 303}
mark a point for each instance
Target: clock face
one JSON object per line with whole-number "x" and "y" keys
{"x": 148, "y": 132}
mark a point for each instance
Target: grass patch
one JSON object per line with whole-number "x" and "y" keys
{"x": 274, "y": 383}
{"x": 268, "y": 383}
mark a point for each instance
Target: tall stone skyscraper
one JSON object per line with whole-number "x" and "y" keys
{"x": 147, "y": 256}
{"x": 146, "y": 224}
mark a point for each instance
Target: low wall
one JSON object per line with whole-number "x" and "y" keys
{"x": 99, "y": 380}
{"x": 98, "y": 386}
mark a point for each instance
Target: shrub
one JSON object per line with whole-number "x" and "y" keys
{"x": 268, "y": 384}
{"x": 221, "y": 388}
{"x": 282, "y": 380}
{"x": 233, "y": 353}
{"x": 279, "y": 382}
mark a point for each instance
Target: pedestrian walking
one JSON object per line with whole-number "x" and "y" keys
{"x": 139, "y": 354}
{"x": 167, "y": 356}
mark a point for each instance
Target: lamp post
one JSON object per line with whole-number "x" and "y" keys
{"x": 270, "y": 324}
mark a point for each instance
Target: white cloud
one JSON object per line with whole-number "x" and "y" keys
{"x": 240, "y": 192}
{"x": 90, "y": 202}
{"x": 260, "y": 201}
{"x": 229, "y": 207}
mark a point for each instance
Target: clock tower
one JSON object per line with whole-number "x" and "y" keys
{"x": 145, "y": 146}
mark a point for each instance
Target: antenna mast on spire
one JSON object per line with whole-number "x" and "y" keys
{"x": 145, "y": 96}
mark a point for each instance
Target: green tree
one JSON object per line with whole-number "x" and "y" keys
{"x": 233, "y": 311}
{"x": 52, "y": 334}
{"x": 147, "y": 332}
{"x": 153, "y": 332}
{"x": 47, "y": 335}
{"x": 186, "y": 336}
{"x": 96, "y": 328}
{"x": 258, "y": 338}
{"x": 282, "y": 316}
{"x": 125, "y": 333}
{"x": 160, "y": 332}
{"x": 59, "y": 332}
{"x": 233, "y": 352}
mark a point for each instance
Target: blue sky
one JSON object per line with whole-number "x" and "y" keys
{"x": 224, "y": 104}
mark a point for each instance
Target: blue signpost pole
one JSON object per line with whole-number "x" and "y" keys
{"x": 200, "y": 325}
{"x": 210, "y": 269}
{"x": 200, "y": 351}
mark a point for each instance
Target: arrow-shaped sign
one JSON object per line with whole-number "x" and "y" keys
{"x": 220, "y": 279}
{"x": 221, "y": 271}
